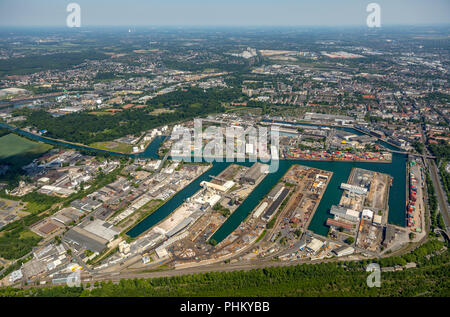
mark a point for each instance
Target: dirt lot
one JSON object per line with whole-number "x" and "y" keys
{"x": 377, "y": 197}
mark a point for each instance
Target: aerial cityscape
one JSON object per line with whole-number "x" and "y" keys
{"x": 224, "y": 160}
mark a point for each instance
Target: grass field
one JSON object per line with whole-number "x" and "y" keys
{"x": 12, "y": 145}
{"x": 17, "y": 152}
{"x": 113, "y": 146}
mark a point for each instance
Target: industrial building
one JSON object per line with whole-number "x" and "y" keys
{"x": 221, "y": 188}
{"x": 314, "y": 246}
{"x": 340, "y": 119}
{"x": 180, "y": 227}
{"x": 336, "y": 224}
{"x": 102, "y": 229}
{"x": 354, "y": 189}
{"x": 275, "y": 191}
{"x": 367, "y": 214}
{"x": 389, "y": 235}
{"x": 377, "y": 219}
{"x": 344, "y": 213}
{"x": 66, "y": 278}
{"x": 343, "y": 250}
{"x": 260, "y": 209}
{"x": 274, "y": 206}
{"x": 85, "y": 239}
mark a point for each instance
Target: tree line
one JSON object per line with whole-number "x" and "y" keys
{"x": 323, "y": 279}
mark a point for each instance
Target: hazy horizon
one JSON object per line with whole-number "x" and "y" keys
{"x": 213, "y": 13}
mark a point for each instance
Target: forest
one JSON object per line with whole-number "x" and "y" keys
{"x": 15, "y": 238}
{"x": 344, "y": 278}
{"x": 32, "y": 64}
{"x": 87, "y": 128}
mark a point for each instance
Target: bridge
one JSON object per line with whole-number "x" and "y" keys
{"x": 163, "y": 161}
{"x": 444, "y": 233}
{"x": 425, "y": 156}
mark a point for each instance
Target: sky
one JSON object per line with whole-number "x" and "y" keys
{"x": 223, "y": 12}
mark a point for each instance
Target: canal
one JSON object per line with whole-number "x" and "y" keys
{"x": 332, "y": 195}
{"x": 341, "y": 171}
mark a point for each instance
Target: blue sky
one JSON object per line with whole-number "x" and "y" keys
{"x": 224, "y": 12}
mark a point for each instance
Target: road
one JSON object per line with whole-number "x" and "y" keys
{"x": 162, "y": 162}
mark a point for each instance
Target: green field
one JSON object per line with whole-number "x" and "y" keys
{"x": 17, "y": 152}
{"x": 12, "y": 145}
{"x": 113, "y": 146}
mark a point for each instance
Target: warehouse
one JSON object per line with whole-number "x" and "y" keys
{"x": 275, "y": 191}
{"x": 102, "y": 229}
{"x": 85, "y": 239}
{"x": 274, "y": 206}
{"x": 180, "y": 227}
{"x": 354, "y": 189}
{"x": 345, "y": 213}
{"x": 314, "y": 246}
{"x": 254, "y": 173}
{"x": 260, "y": 209}
{"x": 343, "y": 251}
{"x": 221, "y": 188}
{"x": 336, "y": 224}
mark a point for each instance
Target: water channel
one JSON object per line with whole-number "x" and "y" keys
{"x": 341, "y": 171}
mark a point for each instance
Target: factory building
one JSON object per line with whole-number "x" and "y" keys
{"x": 95, "y": 236}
